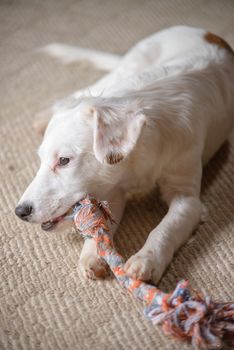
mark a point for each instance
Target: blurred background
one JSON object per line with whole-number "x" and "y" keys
{"x": 45, "y": 303}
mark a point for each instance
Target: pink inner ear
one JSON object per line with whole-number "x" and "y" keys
{"x": 115, "y": 139}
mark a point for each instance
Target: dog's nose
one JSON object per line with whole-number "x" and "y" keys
{"x": 23, "y": 211}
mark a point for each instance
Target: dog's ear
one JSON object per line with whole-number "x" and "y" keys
{"x": 115, "y": 136}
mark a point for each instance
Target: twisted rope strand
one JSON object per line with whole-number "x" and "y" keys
{"x": 185, "y": 314}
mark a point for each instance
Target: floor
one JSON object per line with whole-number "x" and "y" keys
{"x": 45, "y": 303}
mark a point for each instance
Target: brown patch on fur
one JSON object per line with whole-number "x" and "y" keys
{"x": 216, "y": 40}
{"x": 101, "y": 272}
{"x": 113, "y": 158}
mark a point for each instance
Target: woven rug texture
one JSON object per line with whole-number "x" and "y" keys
{"x": 45, "y": 303}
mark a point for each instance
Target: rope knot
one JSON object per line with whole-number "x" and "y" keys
{"x": 91, "y": 215}
{"x": 185, "y": 314}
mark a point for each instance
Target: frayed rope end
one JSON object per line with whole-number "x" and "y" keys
{"x": 187, "y": 314}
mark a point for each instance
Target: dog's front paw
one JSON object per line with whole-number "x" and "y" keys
{"x": 93, "y": 267}
{"x": 140, "y": 266}
{"x": 143, "y": 266}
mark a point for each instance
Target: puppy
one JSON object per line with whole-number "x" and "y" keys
{"x": 158, "y": 117}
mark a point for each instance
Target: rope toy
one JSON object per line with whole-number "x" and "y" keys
{"x": 185, "y": 314}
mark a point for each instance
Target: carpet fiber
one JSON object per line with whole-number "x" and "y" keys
{"x": 45, "y": 303}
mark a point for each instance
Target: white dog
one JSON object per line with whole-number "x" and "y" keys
{"x": 158, "y": 117}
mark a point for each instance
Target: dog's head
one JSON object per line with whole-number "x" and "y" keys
{"x": 84, "y": 151}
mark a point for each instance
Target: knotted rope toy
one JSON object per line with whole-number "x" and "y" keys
{"x": 185, "y": 313}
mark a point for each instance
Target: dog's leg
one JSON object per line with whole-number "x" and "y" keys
{"x": 92, "y": 266}
{"x": 184, "y": 214}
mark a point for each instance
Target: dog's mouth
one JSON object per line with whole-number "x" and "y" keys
{"x": 50, "y": 225}
{"x": 68, "y": 215}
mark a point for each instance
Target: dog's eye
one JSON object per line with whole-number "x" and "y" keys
{"x": 63, "y": 161}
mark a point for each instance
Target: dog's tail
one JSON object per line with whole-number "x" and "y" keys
{"x": 69, "y": 54}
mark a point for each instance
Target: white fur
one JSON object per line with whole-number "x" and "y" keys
{"x": 165, "y": 110}
{"x": 69, "y": 54}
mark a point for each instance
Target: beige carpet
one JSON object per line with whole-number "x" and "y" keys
{"x": 45, "y": 303}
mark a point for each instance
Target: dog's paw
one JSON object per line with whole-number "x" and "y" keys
{"x": 143, "y": 266}
{"x": 93, "y": 267}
